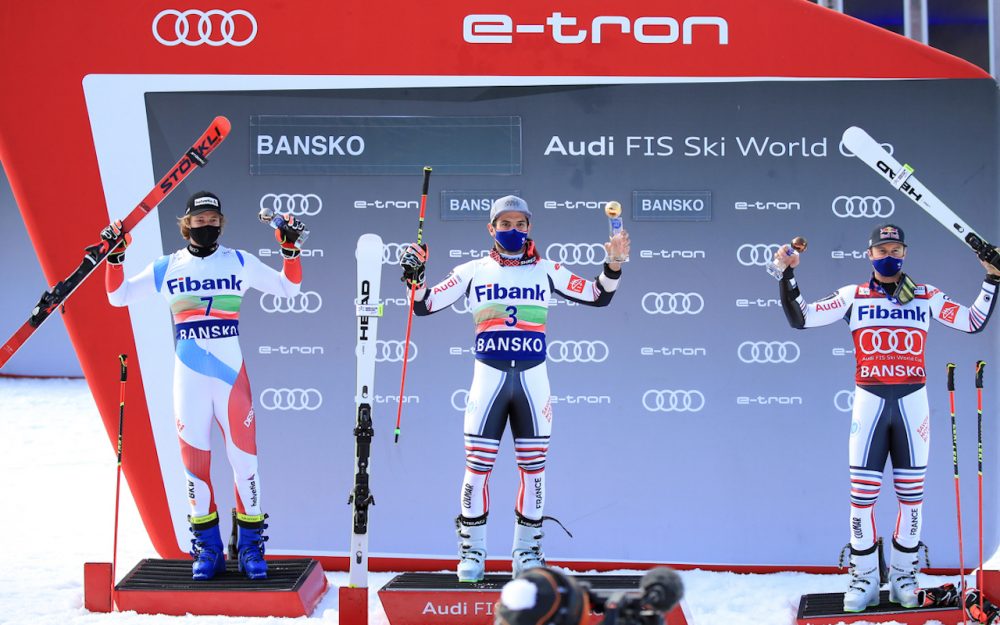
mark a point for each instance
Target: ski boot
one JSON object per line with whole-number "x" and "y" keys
{"x": 903, "y": 566}
{"x": 527, "y": 551}
{"x": 471, "y": 548}
{"x": 250, "y": 545}
{"x": 863, "y": 591}
{"x": 206, "y": 547}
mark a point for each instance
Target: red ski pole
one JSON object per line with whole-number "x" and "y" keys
{"x": 958, "y": 496}
{"x": 980, "y": 366}
{"x": 413, "y": 294}
{"x": 123, "y": 361}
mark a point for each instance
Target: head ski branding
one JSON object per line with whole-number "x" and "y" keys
{"x": 906, "y": 187}
{"x": 363, "y": 321}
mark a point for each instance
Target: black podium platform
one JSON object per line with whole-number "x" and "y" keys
{"x": 828, "y": 609}
{"x": 292, "y": 588}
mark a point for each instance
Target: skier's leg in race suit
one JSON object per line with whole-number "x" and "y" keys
{"x": 215, "y": 384}
{"x": 890, "y": 419}
{"x": 531, "y": 425}
{"x": 498, "y": 392}
{"x": 193, "y": 420}
{"x": 235, "y": 414}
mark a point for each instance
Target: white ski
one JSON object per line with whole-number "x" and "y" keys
{"x": 368, "y": 308}
{"x": 901, "y": 177}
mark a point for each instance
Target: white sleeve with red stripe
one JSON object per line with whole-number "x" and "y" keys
{"x": 830, "y": 309}
{"x": 966, "y": 319}
{"x": 286, "y": 283}
{"x": 445, "y": 293}
{"x": 122, "y": 292}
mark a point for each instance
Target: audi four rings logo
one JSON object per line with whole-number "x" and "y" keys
{"x": 576, "y": 253}
{"x": 460, "y": 399}
{"x": 844, "y": 401}
{"x": 666, "y": 400}
{"x": 296, "y": 204}
{"x": 291, "y": 399}
{"x": 304, "y": 302}
{"x": 673, "y": 303}
{"x": 214, "y": 27}
{"x": 891, "y": 341}
{"x": 578, "y": 351}
{"x": 392, "y": 351}
{"x": 760, "y": 352}
{"x": 759, "y": 254}
{"x": 392, "y": 252}
{"x": 845, "y": 206}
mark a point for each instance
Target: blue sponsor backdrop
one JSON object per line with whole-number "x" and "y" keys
{"x": 691, "y": 424}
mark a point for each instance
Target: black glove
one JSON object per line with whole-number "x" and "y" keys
{"x": 288, "y": 234}
{"x": 414, "y": 261}
{"x": 112, "y": 236}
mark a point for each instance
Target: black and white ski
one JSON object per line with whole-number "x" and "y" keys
{"x": 901, "y": 177}
{"x": 368, "y": 308}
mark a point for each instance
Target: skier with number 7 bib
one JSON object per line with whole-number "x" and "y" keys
{"x": 204, "y": 284}
{"x": 508, "y": 293}
{"x": 889, "y": 316}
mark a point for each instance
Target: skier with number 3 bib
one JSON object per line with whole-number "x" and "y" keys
{"x": 204, "y": 284}
{"x": 889, "y": 316}
{"x": 508, "y": 293}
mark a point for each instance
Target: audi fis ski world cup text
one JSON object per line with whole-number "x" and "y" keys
{"x": 663, "y": 146}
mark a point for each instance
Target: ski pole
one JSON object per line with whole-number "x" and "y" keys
{"x": 413, "y": 294}
{"x": 954, "y": 460}
{"x": 980, "y": 366}
{"x": 123, "y": 361}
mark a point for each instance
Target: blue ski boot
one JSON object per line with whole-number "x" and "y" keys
{"x": 250, "y": 543}
{"x": 206, "y": 547}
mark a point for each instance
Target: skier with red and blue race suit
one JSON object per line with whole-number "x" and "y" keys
{"x": 508, "y": 293}
{"x": 889, "y": 316}
{"x": 204, "y": 284}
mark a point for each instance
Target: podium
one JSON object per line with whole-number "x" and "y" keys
{"x": 440, "y": 599}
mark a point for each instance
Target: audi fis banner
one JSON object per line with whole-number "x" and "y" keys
{"x": 692, "y": 365}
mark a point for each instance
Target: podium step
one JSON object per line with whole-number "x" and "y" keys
{"x": 828, "y": 609}
{"x": 440, "y": 599}
{"x": 293, "y": 588}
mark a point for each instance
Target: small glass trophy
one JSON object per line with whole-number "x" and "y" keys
{"x": 776, "y": 267}
{"x": 613, "y": 210}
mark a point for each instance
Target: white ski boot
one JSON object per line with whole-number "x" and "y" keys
{"x": 471, "y": 548}
{"x": 903, "y": 566}
{"x": 527, "y": 552}
{"x": 863, "y": 591}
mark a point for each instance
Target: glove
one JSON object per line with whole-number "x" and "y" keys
{"x": 288, "y": 234}
{"x": 111, "y": 235}
{"x": 414, "y": 261}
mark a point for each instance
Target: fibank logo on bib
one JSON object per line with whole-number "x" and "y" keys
{"x": 672, "y": 205}
{"x": 487, "y": 292}
{"x": 188, "y": 284}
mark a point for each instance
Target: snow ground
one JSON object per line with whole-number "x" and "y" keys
{"x": 56, "y": 446}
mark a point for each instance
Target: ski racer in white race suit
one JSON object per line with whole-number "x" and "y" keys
{"x": 508, "y": 293}
{"x": 204, "y": 284}
{"x": 889, "y": 317}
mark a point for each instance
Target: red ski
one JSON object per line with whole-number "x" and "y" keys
{"x": 197, "y": 156}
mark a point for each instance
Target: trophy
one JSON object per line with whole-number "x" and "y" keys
{"x": 269, "y": 216}
{"x": 776, "y": 267}
{"x": 613, "y": 210}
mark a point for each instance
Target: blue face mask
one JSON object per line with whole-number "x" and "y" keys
{"x": 511, "y": 240}
{"x": 888, "y": 266}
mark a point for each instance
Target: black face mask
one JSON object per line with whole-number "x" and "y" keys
{"x": 205, "y": 236}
